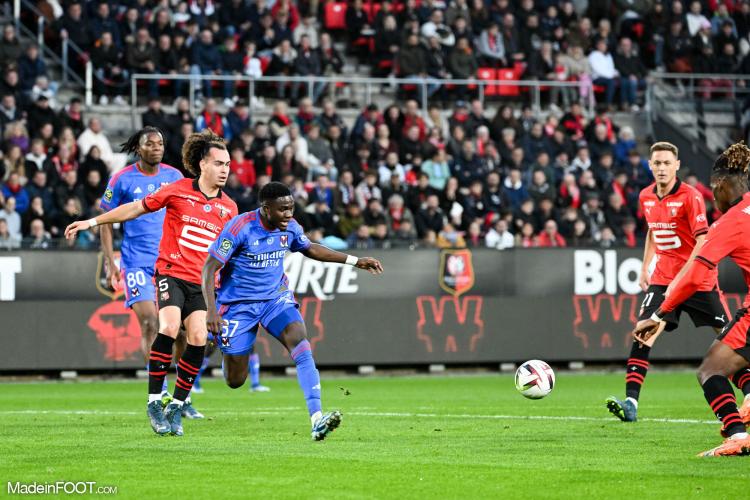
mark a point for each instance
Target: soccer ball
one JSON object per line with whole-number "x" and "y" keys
{"x": 535, "y": 379}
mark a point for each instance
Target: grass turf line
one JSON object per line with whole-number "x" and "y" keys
{"x": 405, "y": 437}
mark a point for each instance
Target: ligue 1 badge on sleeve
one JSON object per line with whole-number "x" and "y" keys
{"x": 456, "y": 271}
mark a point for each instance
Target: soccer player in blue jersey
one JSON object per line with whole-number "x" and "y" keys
{"x": 253, "y": 290}
{"x": 140, "y": 245}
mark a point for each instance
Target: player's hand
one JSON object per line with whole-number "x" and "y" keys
{"x": 72, "y": 230}
{"x": 112, "y": 273}
{"x": 369, "y": 264}
{"x": 647, "y": 328}
{"x": 214, "y": 321}
{"x": 643, "y": 280}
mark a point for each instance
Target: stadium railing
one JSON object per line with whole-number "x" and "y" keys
{"x": 370, "y": 86}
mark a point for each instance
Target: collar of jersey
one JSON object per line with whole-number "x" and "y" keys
{"x": 138, "y": 169}
{"x": 198, "y": 188}
{"x": 673, "y": 191}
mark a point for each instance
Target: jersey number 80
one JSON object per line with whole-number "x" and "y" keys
{"x": 666, "y": 239}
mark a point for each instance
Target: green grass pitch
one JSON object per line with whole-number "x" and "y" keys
{"x": 401, "y": 437}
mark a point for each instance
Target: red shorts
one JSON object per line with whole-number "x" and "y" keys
{"x": 735, "y": 334}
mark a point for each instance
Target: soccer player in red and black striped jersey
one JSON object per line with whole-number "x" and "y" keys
{"x": 730, "y": 353}
{"x": 196, "y": 212}
{"x": 677, "y": 226}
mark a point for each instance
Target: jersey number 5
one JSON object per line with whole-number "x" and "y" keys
{"x": 666, "y": 239}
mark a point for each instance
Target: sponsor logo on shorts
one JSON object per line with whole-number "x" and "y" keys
{"x": 108, "y": 195}
{"x": 224, "y": 247}
{"x": 134, "y": 292}
{"x": 164, "y": 296}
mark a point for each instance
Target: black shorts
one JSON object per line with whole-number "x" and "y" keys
{"x": 183, "y": 294}
{"x": 704, "y": 308}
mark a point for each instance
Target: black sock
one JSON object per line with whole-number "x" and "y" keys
{"x": 159, "y": 360}
{"x": 187, "y": 369}
{"x": 742, "y": 380}
{"x": 636, "y": 370}
{"x": 720, "y": 397}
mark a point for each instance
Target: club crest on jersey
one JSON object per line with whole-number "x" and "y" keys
{"x": 673, "y": 211}
{"x": 456, "y": 271}
{"x": 284, "y": 240}
{"x": 206, "y": 208}
{"x": 224, "y": 247}
{"x": 108, "y": 195}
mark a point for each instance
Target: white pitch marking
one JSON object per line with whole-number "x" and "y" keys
{"x": 282, "y": 411}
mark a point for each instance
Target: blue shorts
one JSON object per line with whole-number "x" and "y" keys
{"x": 241, "y": 320}
{"x": 138, "y": 283}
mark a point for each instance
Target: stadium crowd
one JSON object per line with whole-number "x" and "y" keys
{"x": 466, "y": 176}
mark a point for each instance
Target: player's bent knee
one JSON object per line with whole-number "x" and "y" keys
{"x": 171, "y": 330}
{"x": 235, "y": 383}
{"x": 150, "y": 326}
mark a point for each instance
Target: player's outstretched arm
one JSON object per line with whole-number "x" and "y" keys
{"x": 325, "y": 254}
{"x": 120, "y": 214}
{"x": 214, "y": 321}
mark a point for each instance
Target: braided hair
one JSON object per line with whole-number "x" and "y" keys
{"x": 132, "y": 145}
{"x": 733, "y": 163}
{"x": 196, "y": 148}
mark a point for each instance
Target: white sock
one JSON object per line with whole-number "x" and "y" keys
{"x": 739, "y": 435}
{"x": 315, "y": 417}
{"x": 634, "y": 401}
{"x": 154, "y": 397}
{"x": 188, "y": 401}
{"x": 178, "y": 402}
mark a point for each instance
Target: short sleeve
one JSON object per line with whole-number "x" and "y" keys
{"x": 697, "y": 215}
{"x": 112, "y": 196}
{"x": 721, "y": 240}
{"x": 228, "y": 241}
{"x": 299, "y": 242}
{"x": 159, "y": 199}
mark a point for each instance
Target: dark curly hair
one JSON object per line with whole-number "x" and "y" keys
{"x": 132, "y": 145}
{"x": 733, "y": 162}
{"x": 196, "y": 148}
{"x": 274, "y": 190}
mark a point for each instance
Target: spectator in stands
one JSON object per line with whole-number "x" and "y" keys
{"x": 550, "y": 237}
{"x": 74, "y": 27}
{"x": 102, "y": 21}
{"x": 514, "y": 189}
{"x": 11, "y": 85}
{"x": 632, "y": 74}
{"x": 139, "y": 57}
{"x": 436, "y": 28}
{"x": 94, "y": 163}
{"x": 130, "y": 24}
{"x": 205, "y": 60}
{"x": 9, "y": 111}
{"x": 307, "y": 63}
{"x": 603, "y": 71}
{"x": 40, "y": 114}
{"x": 94, "y": 136}
{"x": 8, "y": 241}
{"x": 39, "y": 238}
{"x": 166, "y": 60}
{"x": 210, "y": 118}
{"x": 11, "y": 216}
{"x": 10, "y": 48}
{"x": 462, "y": 64}
{"x": 30, "y": 66}
{"x": 154, "y": 116}
{"x": 498, "y": 237}
{"x": 678, "y": 48}
{"x": 17, "y": 135}
{"x": 71, "y": 116}
{"x": 232, "y": 64}
{"x": 437, "y": 169}
{"x": 542, "y": 63}
{"x": 449, "y": 237}
{"x": 283, "y": 64}
{"x": 110, "y": 75}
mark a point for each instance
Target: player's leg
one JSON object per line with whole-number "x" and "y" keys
{"x": 721, "y": 362}
{"x": 638, "y": 362}
{"x": 288, "y": 327}
{"x": 236, "y": 340}
{"x": 254, "y": 369}
{"x": 210, "y": 347}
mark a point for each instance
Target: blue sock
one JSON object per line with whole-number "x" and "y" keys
{"x": 203, "y": 367}
{"x": 307, "y": 376}
{"x": 254, "y": 369}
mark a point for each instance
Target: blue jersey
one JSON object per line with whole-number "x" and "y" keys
{"x": 140, "y": 247}
{"x": 253, "y": 258}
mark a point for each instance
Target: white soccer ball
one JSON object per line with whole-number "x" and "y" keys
{"x": 535, "y": 379}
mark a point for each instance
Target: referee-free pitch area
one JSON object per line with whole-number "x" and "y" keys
{"x": 401, "y": 437}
